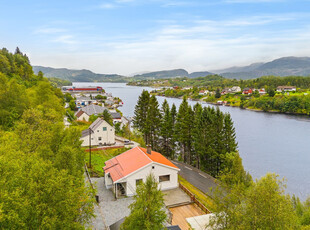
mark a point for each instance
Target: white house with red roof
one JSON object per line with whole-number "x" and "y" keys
{"x": 124, "y": 172}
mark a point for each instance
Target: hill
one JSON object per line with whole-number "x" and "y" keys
{"x": 79, "y": 75}
{"x": 169, "y": 74}
{"x": 199, "y": 74}
{"x": 162, "y": 74}
{"x": 286, "y": 66}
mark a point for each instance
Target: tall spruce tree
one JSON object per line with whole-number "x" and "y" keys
{"x": 166, "y": 130}
{"x": 153, "y": 122}
{"x": 199, "y": 134}
{"x": 189, "y": 145}
{"x": 173, "y": 115}
{"x": 219, "y": 145}
{"x": 141, "y": 114}
{"x": 229, "y": 134}
{"x": 183, "y": 130}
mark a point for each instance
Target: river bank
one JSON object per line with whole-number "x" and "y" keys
{"x": 279, "y": 104}
{"x": 267, "y": 142}
{"x": 255, "y": 110}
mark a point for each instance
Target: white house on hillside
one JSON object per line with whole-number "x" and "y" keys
{"x": 286, "y": 88}
{"x": 99, "y": 133}
{"x": 124, "y": 172}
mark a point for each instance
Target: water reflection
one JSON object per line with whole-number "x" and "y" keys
{"x": 268, "y": 142}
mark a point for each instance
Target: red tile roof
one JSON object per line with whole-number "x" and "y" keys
{"x": 79, "y": 113}
{"x": 158, "y": 158}
{"x": 132, "y": 160}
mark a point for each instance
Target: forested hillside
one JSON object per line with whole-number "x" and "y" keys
{"x": 78, "y": 75}
{"x": 41, "y": 162}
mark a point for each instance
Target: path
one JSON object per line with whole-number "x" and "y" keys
{"x": 97, "y": 222}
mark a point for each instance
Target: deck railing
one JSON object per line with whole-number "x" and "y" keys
{"x": 194, "y": 199}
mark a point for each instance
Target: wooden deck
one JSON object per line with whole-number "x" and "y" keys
{"x": 182, "y": 212}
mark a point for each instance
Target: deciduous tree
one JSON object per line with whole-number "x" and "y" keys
{"x": 147, "y": 211}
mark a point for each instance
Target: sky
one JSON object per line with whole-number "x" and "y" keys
{"x": 134, "y": 36}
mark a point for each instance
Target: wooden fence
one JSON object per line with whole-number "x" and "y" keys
{"x": 194, "y": 199}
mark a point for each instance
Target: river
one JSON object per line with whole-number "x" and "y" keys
{"x": 267, "y": 142}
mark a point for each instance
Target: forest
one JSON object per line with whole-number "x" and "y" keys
{"x": 205, "y": 138}
{"x": 41, "y": 162}
{"x": 212, "y": 82}
{"x": 202, "y": 137}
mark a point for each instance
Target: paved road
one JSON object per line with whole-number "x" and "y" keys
{"x": 199, "y": 179}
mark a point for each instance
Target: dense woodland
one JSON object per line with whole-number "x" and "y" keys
{"x": 212, "y": 82}
{"x": 205, "y": 138}
{"x": 202, "y": 137}
{"x": 41, "y": 162}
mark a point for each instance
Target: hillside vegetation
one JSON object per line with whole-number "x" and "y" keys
{"x": 41, "y": 162}
{"x": 79, "y": 75}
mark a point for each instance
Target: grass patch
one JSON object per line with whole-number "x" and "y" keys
{"x": 99, "y": 158}
{"x": 202, "y": 197}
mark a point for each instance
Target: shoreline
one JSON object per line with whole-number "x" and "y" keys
{"x": 250, "y": 109}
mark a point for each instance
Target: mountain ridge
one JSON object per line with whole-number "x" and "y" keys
{"x": 285, "y": 66}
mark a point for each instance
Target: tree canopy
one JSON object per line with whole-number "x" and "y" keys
{"x": 147, "y": 211}
{"x": 41, "y": 162}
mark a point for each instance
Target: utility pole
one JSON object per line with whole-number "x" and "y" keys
{"x": 89, "y": 147}
{"x": 129, "y": 130}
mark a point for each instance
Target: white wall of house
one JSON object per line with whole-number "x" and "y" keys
{"x": 104, "y": 134}
{"x": 83, "y": 117}
{"x": 158, "y": 170}
{"x": 108, "y": 181}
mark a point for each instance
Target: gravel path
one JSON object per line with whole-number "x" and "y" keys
{"x": 112, "y": 210}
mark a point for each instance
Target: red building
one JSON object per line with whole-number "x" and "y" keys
{"x": 90, "y": 88}
{"x": 247, "y": 91}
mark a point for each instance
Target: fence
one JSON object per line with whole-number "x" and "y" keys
{"x": 194, "y": 199}
{"x": 90, "y": 182}
{"x": 106, "y": 147}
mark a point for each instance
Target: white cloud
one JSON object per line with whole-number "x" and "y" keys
{"x": 49, "y": 30}
{"x": 253, "y": 1}
{"x": 202, "y": 45}
{"x": 108, "y": 6}
{"x": 65, "y": 39}
{"x": 176, "y": 3}
{"x": 124, "y": 1}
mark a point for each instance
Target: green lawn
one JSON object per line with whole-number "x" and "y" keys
{"x": 98, "y": 159}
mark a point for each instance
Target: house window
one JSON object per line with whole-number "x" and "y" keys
{"x": 98, "y": 130}
{"x": 164, "y": 178}
{"x": 99, "y": 138}
{"x": 104, "y": 128}
{"x": 138, "y": 182}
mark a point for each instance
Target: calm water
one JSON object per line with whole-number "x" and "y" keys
{"x": 267, "y": 142}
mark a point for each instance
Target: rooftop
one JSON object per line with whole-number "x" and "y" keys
{"x": 123, "y": 164}
{"x": 93, "y": 109}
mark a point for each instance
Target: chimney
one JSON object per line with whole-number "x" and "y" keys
{"x": 149, "y": 149}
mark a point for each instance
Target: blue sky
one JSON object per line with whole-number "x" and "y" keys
{"x": 130, "y": 36}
